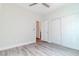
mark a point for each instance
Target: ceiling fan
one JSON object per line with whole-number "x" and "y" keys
{"x": 45, "y": 4}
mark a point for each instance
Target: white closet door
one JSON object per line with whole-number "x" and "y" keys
{"x": 56, "y": 31}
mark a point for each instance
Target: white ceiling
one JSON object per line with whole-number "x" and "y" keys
{"x": 41, "y": 9}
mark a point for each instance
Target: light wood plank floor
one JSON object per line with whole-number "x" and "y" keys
{"x": 44, "y": 49}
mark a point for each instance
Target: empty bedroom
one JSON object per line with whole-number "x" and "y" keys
{"x": 39, "y": 29}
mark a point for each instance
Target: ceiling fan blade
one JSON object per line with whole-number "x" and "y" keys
{"x": 46, "y": 5}
{"x": 32, "y": 4}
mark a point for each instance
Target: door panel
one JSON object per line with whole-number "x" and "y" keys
{"x": 56, "y": 31}
{"x": 45, "y": 31}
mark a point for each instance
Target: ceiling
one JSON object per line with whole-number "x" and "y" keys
{"x": 41, "y": 9}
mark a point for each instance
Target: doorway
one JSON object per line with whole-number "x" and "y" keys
{"x": 38, "y": 32}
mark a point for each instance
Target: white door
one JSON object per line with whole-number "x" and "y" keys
{"x": 56, "y": 31}
{"x": 45, "y": 31}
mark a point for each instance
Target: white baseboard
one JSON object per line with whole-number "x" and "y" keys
{"x": 18, "y": 45}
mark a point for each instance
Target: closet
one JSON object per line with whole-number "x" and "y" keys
{"x": 63, "y": 31}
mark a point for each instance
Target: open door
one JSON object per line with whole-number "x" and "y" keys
{"x": 38, "y": 32}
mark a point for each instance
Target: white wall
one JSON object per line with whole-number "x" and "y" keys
{"x": 17, "y": 26}
{"x": 70, "y": 31}
{"x": 63, "y": 26}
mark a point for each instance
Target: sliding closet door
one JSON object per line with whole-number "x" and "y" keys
{"x": 56, "y": 31}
